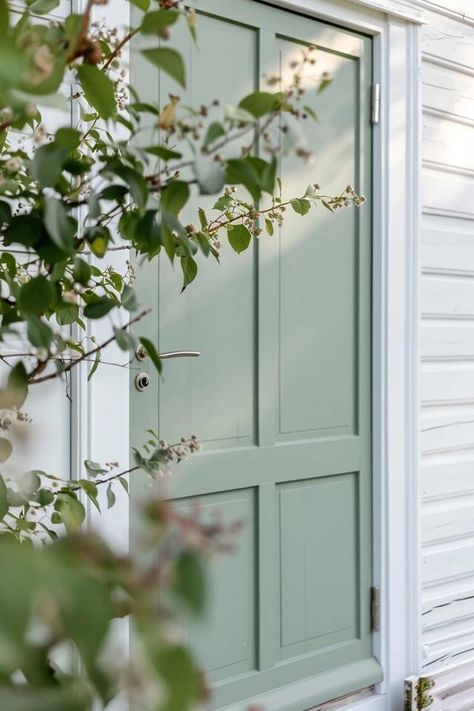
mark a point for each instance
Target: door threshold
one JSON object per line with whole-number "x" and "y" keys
{"x": 343, "y": 701}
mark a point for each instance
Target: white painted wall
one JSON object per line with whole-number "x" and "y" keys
{"x": 447, "y": 334}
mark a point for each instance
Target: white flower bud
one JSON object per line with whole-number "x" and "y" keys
{"x": 70, "y": 297}
{"x": 13, "y": 164}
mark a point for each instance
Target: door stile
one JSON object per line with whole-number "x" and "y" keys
{"x": 267, "y": 289}
{"x": 364, "y": 319}
{"x": 267, "y": 575}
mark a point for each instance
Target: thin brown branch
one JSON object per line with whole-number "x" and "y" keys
{"x": 102, "y": 345}
{"x": 106, "y": 480}
{"x": 75, "y": 49}
{"x": 119, "y": 47}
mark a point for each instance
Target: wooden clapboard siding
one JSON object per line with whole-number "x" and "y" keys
{"x": 447, "y": 334}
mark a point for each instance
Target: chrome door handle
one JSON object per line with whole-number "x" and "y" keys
{"x": 141, "y": 354}
{"x": 179, "y": 354}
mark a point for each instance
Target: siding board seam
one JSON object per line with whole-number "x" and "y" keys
{"x": 440, "y": 61}
{"x": 448, "y": 167}
{"x": 447, "y": 115}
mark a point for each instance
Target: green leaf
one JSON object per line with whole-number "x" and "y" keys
{"x": 61, "y": 227}
{"x": 114, "y": 192}
{"x": 325, "y": 82}
{"x": 129, "y": 298}
{"x": 203, "y": 241}
{"x": 147, "y": 233}
{"x": 23, "y": 229}
{"x": 93, "y": 468}
{"x": 178, "y": 671}
{"x": 152, "y": 353}
{"x": 98, "y": 89}
{"x": 191, "y": 22}
{"x": 111, "y": 498}
{"x": 260, "y": 103}
{"x": 42, "y": 7}
{"x": 128, "y": 223}
{"x": 45, "y": 497}
{"x": 222, "y": 203}
{"x": 66, "y": 314}
{"x": 174, "y": 197}
{"x": 239, "y": 237}
{"x": 17, "y": 385}
{"x": 210, "y": 174}
{"x": 155, "y": 21}
{"x": 301, "y": 205}
{"x": 189, "y": 267}
{"x": 39, "y": 333}
{"x": 81, "y": 272}
{"x": 170, "y": 226}
{"x": 202, "y": 218}
{"x": 91, "y": 491}
{"x": 124, "y": 483}
{"x": 13, "y": 64}
{"x": 30, "y": 482}
{"x": 235, "y": 113}
{"x": 169, "y": 60}
{"x": 308, "y": 110}
{"x": 67, "y": 138}
{"x": 124, "y": 339}
{"x": 163, "y": 153}
{"x": 71, "y": 509}
{"x": 5, "y": 449}
{"x": 36, "y": 296}
{"x": 98, "y": 306}
{"x": 141, "y": 4}
{"x": 135, "y": 181}
{"x": 5, "y": 210}
{"x": 48, "y": 164}
{"x": 98, "y": 237}
{"x": 255, "y": 174}
{"x": 269, "y": 226}
{"x": 215, "y": 130}
{"x": 191, "y": 581}
{"x": 3, "y": 498}
{"x": 4, "y": 21}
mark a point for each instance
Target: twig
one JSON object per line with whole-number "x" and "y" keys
{"x": 74, "y": 362}
{"x": 120, "y": 46}
{"x": 103, "y": 481}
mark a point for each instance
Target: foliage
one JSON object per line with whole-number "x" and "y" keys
{"x": 68, "y": 200}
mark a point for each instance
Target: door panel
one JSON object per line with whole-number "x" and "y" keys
{"x": 281, "y": 394}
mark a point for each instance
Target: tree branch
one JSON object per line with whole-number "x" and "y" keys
{"x": 102, "y": 345}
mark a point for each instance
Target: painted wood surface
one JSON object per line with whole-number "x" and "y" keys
{"x": 447, "y": 337}
{"x": 280, "y": 396}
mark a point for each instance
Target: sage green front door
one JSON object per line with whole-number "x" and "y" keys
{"x": 280, "y": 396}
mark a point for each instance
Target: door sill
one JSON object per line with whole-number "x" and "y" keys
{"x": 308, "y": 693}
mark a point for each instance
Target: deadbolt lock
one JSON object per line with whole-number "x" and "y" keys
{"x": 142, "y": 381}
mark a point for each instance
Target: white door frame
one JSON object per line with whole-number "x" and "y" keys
{"x": 98, "y": 432}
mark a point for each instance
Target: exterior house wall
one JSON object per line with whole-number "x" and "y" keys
{"x": 447, "y": 334}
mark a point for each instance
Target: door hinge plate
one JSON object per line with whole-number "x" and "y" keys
{"x": 375, "y": 613}
{"x": 375, "y": 103}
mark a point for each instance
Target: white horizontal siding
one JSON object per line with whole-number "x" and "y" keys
{"x": 447, "y": 334}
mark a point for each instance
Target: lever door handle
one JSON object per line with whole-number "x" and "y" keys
{"x": 179, "y": 354}
{"x": 141, "y": 354}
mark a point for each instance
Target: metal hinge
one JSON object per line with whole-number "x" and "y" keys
{"x": 375, "y": 103}
{"x": 375, "y": 609}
